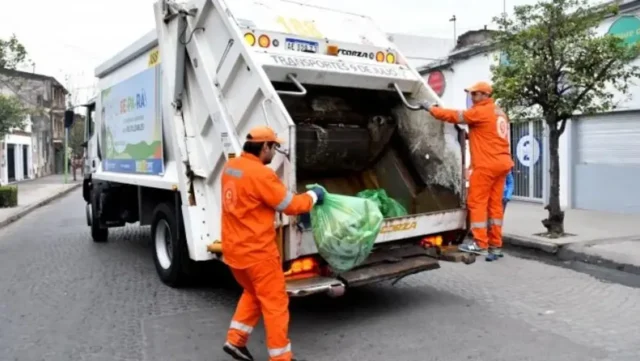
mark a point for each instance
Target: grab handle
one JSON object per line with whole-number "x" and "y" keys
{"x": 404, "y": 100}
{"x": 295, "y": 81}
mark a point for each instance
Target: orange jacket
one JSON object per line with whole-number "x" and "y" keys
{"x": 251, "y": 195}
{"x": 488, "y": 133}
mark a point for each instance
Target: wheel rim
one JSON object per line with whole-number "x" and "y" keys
{"x": 164, "y": 244}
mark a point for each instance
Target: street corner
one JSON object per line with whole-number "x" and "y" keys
{"x": 622, "y": 254}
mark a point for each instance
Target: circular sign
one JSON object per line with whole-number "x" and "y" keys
{"x": 528, "y": 150}
{"x": 436, "y": 82}
{"x": 627, "y": 28}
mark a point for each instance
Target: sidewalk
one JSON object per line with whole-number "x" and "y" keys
{"x": 607, "y": 239}
{"x": 35, "y": 193}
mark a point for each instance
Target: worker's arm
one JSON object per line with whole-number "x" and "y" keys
{"x": 273, "y": 192}
{"x": 454, "y": 116}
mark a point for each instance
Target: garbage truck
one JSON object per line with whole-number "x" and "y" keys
{"x": 176, "y": 104}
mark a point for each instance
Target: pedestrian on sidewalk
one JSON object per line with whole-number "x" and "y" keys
{"x": 252, "y": 193}
{"x": 491, "y": 161}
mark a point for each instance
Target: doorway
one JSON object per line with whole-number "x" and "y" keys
{"x": 11, "y": 162}
{"x": 25, "y": 162}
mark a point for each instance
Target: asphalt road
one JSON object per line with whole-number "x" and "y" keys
{"x": 66, "y": 298}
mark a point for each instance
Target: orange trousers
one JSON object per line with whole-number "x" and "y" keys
{"x": 264, "y": 294}
{"x": 484, "y": 201}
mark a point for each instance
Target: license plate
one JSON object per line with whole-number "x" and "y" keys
{"x": 301, "y": 45}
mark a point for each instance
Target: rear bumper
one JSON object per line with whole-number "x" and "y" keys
{"x": 381, "y": 266}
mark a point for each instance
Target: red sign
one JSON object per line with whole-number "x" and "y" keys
{"x": 436, "y": 82}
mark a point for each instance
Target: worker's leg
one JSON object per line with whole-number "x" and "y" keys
{"x": 245, "y": 318}
{"x": 496, "y": 211}
{"x": 268, "y": 280}
{"x": 480, "y": 183}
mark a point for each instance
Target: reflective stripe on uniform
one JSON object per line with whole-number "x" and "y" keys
{"x": 241, "y": 326}
{"x": 285, "y": 202}
{"x": 495, "y": 221}
{"x": 461, "y": 117}
{"x": 233, "y": 172}
{"x": 478, "y": 224}
{"x": 275, "y": 352}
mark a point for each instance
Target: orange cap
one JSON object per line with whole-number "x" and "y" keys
{"x": 263, "y": 134}
{"x": 481, "y": 87}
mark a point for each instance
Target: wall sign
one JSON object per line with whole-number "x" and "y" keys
{"x": 528, "y": 150}
{"x": 437, "y": 82}
{"x": 626, "y": 27}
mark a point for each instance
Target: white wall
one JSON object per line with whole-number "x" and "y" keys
{"x": 631, "y": 99}
{"x": 19, "y": 141}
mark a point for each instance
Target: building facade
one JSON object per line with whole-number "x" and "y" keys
{"x": 599, "y": 154}
{"x": 33, "y": 151}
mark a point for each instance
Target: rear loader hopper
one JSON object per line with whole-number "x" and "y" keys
{"x": 349, "y": 139}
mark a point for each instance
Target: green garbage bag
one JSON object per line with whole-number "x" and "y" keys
{"x": 345, "y": 229}
{"x": 388, "y": 206}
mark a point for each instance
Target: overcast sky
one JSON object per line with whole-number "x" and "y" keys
{"x": 69, "y": 38}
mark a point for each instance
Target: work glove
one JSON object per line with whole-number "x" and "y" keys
{"x": 304, "y": 222}
{"x": 320, "y": 194}
{"x": 427, "y": 105}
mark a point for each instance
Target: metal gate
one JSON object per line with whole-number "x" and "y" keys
{"x": 528, "y": 151}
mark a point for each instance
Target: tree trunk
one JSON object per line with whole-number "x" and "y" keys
{"x": 555, "y": 221}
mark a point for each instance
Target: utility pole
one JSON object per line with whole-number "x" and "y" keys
{"x": 455, "y": 35}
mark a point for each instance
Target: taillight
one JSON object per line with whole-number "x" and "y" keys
{"x": 307, "y": 266}
{"x": 431, "y": 241}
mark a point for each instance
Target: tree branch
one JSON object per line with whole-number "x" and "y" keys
{"x": 590, "y": 87}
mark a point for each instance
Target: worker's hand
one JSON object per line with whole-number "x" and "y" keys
{"x": 427, "y": 105}
{"x": 304, "y": 221}
{"x": 319, "y": 194}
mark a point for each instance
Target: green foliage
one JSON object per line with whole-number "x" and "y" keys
{"x": 12, "y": 114}
{"x": 557, "y": 65}
{"x": 76, "y": 136}
{"x": 8, "y": 196}
{"x": 12, "y": 53}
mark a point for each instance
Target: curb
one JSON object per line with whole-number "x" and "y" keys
{"x": 525, "y": 242}
{"x": 574, "y": 252}
{"x": 37, "y": 205}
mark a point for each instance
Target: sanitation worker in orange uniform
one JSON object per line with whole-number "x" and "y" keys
{"x": 491, "y": 159}
{"x": 252, "y": 193}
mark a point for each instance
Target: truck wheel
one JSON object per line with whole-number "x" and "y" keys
{"x": 171, "y": 255}
{"x": 98, "y": 234}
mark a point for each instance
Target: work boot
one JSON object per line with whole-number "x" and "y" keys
{"x": 495, "y": 254}
{"x": 237, "y": 352}
{"x": 472, "y": 248}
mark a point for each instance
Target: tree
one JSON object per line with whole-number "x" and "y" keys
{"x": 12, "y": 53}
{"x": 12, "y": 113}
{"x": 557, "y": 66}
{"x": 76, "y": 136}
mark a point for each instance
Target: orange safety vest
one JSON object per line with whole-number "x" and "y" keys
{"x": 488, "y": 133}
{"x": 251, "y": 195}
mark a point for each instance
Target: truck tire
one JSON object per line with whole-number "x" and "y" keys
{"x": 98, "y": 234}
{"x": 170, "y": 252}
